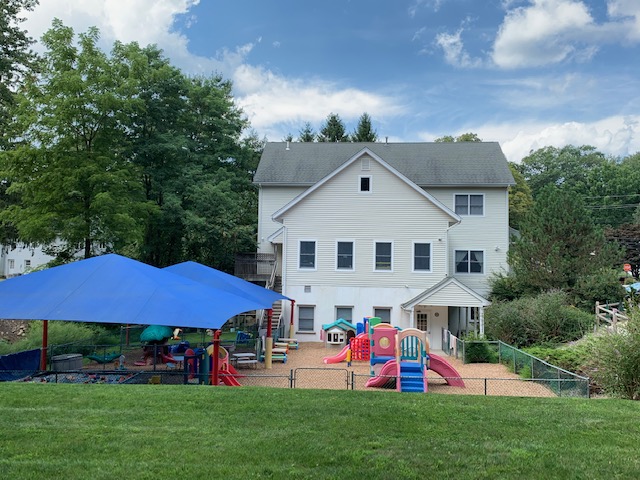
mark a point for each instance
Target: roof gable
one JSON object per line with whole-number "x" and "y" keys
{"x": 441, "y": 294}
{"x": 425, "y": 164}
{"x": 365, "y": 151}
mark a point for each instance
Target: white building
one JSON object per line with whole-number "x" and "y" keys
{"x": 409, "y": 232}
{"x": 21, "y": 259}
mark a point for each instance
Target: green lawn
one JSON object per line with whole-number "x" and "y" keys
{"x": 119, "y": 432}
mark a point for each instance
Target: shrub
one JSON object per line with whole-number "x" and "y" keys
{"x": 614, "y": 359}
{"x": 478, "y": 350}
{"x": 83, "y": 334}
{"x": 545, "y": 318}
{"x": 602, "y": 286}
{"x": 571, "y": 358}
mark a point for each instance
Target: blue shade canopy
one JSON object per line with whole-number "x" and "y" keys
{"x": 116, "y": 289}
{"x": 237, "y": 286}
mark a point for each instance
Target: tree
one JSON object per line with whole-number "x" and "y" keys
{"x": 69, "y": 171}
{"x": 520, "y": 199}
{"x": 559, "y": 243}
{"x": 307, "y": 134}
{"x": 364, "y": 131}
{"x": 16, "y": 59}
{"x": 465, "y": 137}
{"x": 333, "y": 130}
{"x": 288, "y": 138}
{"x": 628, "y": 237}
{"x": 566, "y": 167}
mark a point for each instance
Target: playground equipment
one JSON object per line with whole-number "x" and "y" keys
{"x": 199, "y": 363}
{"x": 359, "y": 347}
{"x": 403, "y": 356}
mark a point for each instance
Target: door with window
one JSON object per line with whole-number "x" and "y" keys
{"x": 422, "y": 323}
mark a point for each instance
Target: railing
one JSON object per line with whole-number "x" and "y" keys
{"x": 610, "y": 315}
{"x": 254, "y": 266}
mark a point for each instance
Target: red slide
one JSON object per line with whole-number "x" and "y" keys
{"x": 388, "y": 372}
{"x": 228, "y": 379}
{"x": 339, "y": 357}
{"x": 445, "y": 370}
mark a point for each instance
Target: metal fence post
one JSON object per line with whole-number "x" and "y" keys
{"x": 291, "y": 379}
{"x": 485, "y": 387}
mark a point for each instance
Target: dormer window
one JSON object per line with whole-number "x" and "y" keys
{"x": 365, "y": 184}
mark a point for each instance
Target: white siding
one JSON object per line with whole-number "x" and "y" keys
{"x": 392, "y": 211}
{"x": 270, "y": 200}
{"x": 484, "y": 233}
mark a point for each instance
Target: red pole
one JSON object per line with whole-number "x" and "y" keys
{"x": 216, "y": 353}
{"x": 45, "y": 345}
{"x": 269, "y": 313}
{"x": 268, "y": 347}
{"x": 291, "y": 333}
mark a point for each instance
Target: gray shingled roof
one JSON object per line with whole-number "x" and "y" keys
{"x": 425, "y": 164}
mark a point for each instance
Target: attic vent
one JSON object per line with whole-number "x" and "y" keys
{"x": 307, "y": 289}
{"x": 366, "y": 164}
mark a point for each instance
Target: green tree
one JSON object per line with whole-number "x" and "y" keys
{"x": 520, "y": 198}
{"x": 559, "y": 243}
{"x": 364, "y": 131}
{"x": 69, "y": 171}
{"x": 566, "y": 167}
{"x": 333, "y": 130}
{"x": 465, "y": 137}
{"x": 306, "y": 134}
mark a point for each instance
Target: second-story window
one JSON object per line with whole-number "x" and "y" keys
{"x": 384, "y": 256}
{"x": 365, "y": 184}
{"x": 307, "y": 254}
{"x": 421, "y": 257}
{"x": 344, "y": 260}
{"x": 469, "y": 204}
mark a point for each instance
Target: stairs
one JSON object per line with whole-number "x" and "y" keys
{"x": 411, "y": 377}
{"x": 276, "y": 315}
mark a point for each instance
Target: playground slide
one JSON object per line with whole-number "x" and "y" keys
{"x": 445, "y": 370}
{"x": 339, "y": 357}
{"x": 228, "y": 379}
{"x": 389, "y": 369}
{"x": 342, "y": 355}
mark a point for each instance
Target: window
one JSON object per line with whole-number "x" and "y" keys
{"x": 469, "y": 204}
{"x": 421, "y": 257}
{"x": 383, "y": 256}
{"x": 12, "y": 263}
{"x": 469, "y": 261}
{"x": 307, "y": 254}
{"x": 305, "y": 318}
{"x": 344, "y": 253}
{"x": 345, "y": 313}
{"x": 27, "y": 264}
{"x": 365, "y": 184}
{"x": 383, "y": 314}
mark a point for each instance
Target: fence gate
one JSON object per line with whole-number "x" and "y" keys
{"x": 325, "y": 378}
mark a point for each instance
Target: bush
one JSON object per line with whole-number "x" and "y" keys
{"x": 60, "y": 333}
{"x": 614, "y": 359}
{"x": 571, "y": 358}
{"x": 545, "y": 318}
{"x": 478, "y": 350}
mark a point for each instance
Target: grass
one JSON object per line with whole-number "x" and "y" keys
{"x": 143, "y": 431}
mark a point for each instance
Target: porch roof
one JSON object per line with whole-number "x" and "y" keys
{"x": 450, "y": 292}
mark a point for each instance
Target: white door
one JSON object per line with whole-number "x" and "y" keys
{"x": 422, "y": 321}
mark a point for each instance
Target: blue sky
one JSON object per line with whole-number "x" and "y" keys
{"x": 525, "y": 73}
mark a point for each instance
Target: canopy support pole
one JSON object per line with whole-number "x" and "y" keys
{"x": 291, "y": 332}
{"x": 268, "y": 347}
{"x": 216, "y": 353}
{"x": 45, "y": 345}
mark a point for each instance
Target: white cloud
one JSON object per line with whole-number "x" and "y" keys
{"x": 454, "y": 52}
{"x": 274, "y": 103}
{"x": 548, "y": 32}
{"x": 617, "y": 135}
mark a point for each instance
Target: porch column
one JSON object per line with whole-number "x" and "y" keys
{"x": 481, "y": 315}
{"x": 412, "y": 318}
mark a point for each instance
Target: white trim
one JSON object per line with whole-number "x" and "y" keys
{"x": 423, "y": 296}
{"x": 375, "y": 243}
{"x": 353, "y": 255}
{"x": 274, "y": 236}
{"x": 314, "y": 318}
{"x": 413, "y": 255}
{"x": 276, "y": 217}
{"x": 315, "y": 255}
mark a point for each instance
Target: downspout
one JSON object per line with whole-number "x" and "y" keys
{"x": 291, "y": 332}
